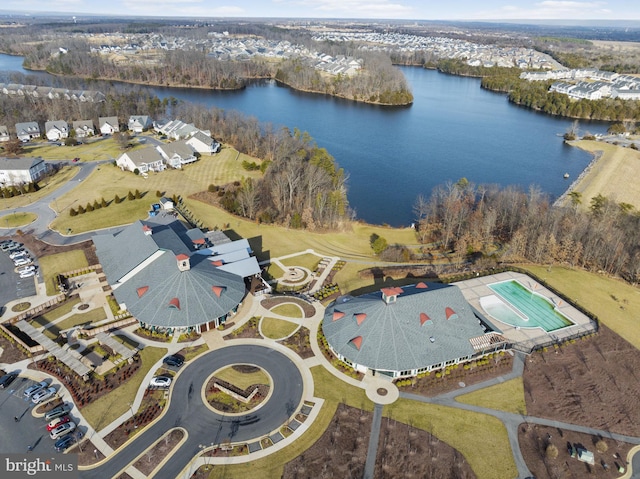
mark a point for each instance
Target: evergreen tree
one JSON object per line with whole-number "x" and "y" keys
{"x": 104, "y": 203}
{"x": 130, "y": 196}
{"x": 117, "y": 200}
{"x": 96, "y": 205}
{"x": 89, "y": 207}
{"x": 138, "y": 195}
{"x": 73, "y": 212}
{"x": 81, "y": 210}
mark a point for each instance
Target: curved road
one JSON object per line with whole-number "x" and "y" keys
{"x": 186, "y": 409}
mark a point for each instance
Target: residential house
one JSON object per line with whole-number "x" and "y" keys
{"x": 203, "y": 143}
{"x": 56, "y": 130}
{"x": 144, "y": 160}
{"x": 84, "y": 128}
{"x": 4, "y": 133}
{"x": 139, "y": 123}
{"x": 177, "y": 153}
{"x": 27, "y": 131}
{"x": 176, "y": 129}
{"x": 108, "y": 125}
{"x": 21, "y": 171}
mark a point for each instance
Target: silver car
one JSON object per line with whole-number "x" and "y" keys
{"x": 31, "y": 390}
{"x": 62, "y": 429}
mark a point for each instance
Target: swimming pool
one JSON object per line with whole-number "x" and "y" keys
{"x": 530, "y": 310}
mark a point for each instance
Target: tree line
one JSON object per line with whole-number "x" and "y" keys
{"x": 512, "y": 225}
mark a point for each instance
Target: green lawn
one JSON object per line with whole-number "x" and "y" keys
{"x": 277, "y": 328}
{"x": 481, "y": 439}
{"x": 507, "y": 396}
{"x": 194, "y": 351}
{"x": 614, "y": 302}
{"x": 309, "y": 261}
{"x": 327, "y": 386}
{"x": 56, "y": 313}
{"x": 54, "y": 264}
{"x": 111, "y": 406}
{"x": 47, "y": 185}
{"x": 16, "y": 220}
{"x": 91, "y": 316}
{"x": 128, "y": 342}
{"x": 243, "y": 380}
{"x": 289, "y": 309}
{"x": 95, "y": 149}
{"x": 273, "y": 271}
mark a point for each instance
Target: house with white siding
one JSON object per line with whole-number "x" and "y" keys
{"x": 21, "y": 171}
{"x": 56, "y": 130}
{"x": 108, "y": 125}
{"x": 84, "y": 128}
{"x": 4, "y": 133}
{"x": 203, "y": 143}
{"x": 139, "y": 123}
{"x": 144, "y": 160}
{"x": 28, "y": 130}
{"x": 177, "y": 154}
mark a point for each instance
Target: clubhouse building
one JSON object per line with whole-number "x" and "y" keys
{"x": 405, "y": 331}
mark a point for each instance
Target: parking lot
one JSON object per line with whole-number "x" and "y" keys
{"x": 11, "y": 285}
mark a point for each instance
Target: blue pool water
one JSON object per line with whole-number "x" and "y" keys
{"x": 531, "y": 309}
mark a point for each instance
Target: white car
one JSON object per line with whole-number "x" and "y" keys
{"x": 19, "y": 252}
{"x": 27, "y": 274}
{"x": 62, "y": 429}
{"x": 160, "y": 382}
{"x": 43, "y": 395}
{"x": 25, "y": 269}
{"x": 21, "y": 261}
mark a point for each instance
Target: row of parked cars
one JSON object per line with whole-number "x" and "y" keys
{"x": 20, "y": 256}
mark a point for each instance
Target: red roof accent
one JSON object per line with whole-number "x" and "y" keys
{"x": 424, "y": 318}
{"x": 217, "y": 290}
{"x": 392, "y": 291}
{"x": 360, "y": 317}
{"x": 357, "y": 342}
{"x": 182, "y": 257}
{"x": 337, "y": 315}
{"x": 198, "y": 241}
{"x": 146, "y": 228}
{"x": 422, "y": 285}
{"x": 449, "y": 312}
{"x": 141, "y": 290}
{"x": 175, "y": 302}
{"x": 217, "y": 262}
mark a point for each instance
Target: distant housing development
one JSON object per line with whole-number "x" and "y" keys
{"x": 589, "y": 83}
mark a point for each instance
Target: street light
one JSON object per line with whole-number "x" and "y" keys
{"x": 135, "y": 421}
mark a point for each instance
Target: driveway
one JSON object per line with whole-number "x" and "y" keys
{"x": 186, "y": 409}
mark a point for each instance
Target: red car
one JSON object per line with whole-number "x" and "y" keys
{"x": 57, "y": 421}
{"x": 75, "y": 160}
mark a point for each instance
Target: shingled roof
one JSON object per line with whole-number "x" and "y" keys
{"x": 425, "y": 326}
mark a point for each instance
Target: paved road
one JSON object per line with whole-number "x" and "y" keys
{"x": 186, "y": 409}
{"x": 372, "y": 451}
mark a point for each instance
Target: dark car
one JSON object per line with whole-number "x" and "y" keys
{"x": 65, "y": 442}
{"x": 174, "y": 360}
{"x": 56, "y": 412}
{"x": 7, "y": 379}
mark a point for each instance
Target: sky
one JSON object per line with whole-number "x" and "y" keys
{"x": 365, "y": 9}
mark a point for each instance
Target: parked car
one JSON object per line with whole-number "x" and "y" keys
{"x": 57, "y": 412}
{"x": 31, "y": 390}
{"x": 21, "y": 256}
{"x": 16, "y": 246}
{"x": 24, "y": 269}
{"x": 65, "y": 442}
{"x": 160, "y": 382}
{"x": 75, "y": 160}
{"x": 174, "y": 360}
{"x": 22, "y": 261}
{"x": 7, "y": 379}
{"x": 62, "y": 430}
{"x": 18, "y": 252}
{"x": 27, "y": 274}
{"x": 57, "y": 421}
{"x": 43, "y": 395}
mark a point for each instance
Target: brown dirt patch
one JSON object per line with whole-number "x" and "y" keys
{"x": 89, "y": 454}
{"x": 40, "y": 248}
{"x": 592, "y": 382}
{"x": 340, "y": 452}
{"x": 82, "y": 307}
{"x": 247, "y": 330}
{"x": 149, "y": 461}
{"x": 300, "y": 343}
{"x": 404, "y": 451}
{"x": 478, "y": 372}
{"x": 533, "y": 444}
{"x": 10, "y": 352}
{"x": 308, "y": 309}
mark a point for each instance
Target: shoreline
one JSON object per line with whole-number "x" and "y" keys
{"x": 597, "y": 155}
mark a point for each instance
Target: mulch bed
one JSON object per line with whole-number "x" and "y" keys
{"x": 261, "y": 395}
{"x": 308, "y": 309}
{"x": 533, "y": 444}
{"x": 431, "y": 385}
{"x": 152, "y": 457}
{"x": 300, "y": 343}
{"x": 592, "y": 382}
{"x": 247, "y": 330}
{"x": 40, "y": 248}
{"x": 10, "y": 352}
{"x": 89, "y": 455}
{"x": 146, "y": 334}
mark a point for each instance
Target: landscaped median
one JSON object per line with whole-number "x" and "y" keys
{"x": 15, "y": 220}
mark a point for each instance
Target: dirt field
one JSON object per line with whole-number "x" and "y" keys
{"x": 149, "y": 461}
{"x": 610, "y": 174}
{"x": 592, "y": 382}
{"x": 534, "y": 440}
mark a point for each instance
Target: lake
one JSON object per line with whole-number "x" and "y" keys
{"x": 453, "y": 129}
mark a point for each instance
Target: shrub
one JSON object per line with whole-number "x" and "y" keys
{"x": 601, "y": 446}
{"x": 81, "y": 210}
{"x": 117, "y": 199}
{"x": 552, "y": 451}
{"x": 136, "y": 171}
{"x": 103, "y": 203}
{"x": 73, "y": 212}
{"x": 158, "y": 194}
{"x": 138, "y": 195}
{"x": 89, "y": 207}
{"x": 96, "y": 205}
{"x": 130, "y": 196}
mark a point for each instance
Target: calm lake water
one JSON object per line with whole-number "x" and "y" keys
{"x": 454, "y": 129}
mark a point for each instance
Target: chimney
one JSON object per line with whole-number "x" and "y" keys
{"x": 147, "y": 230}
{"x": 183, "y": 262}
{"x": 390, "y": 295}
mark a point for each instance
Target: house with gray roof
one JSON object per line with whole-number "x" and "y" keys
{"x": 84, "y": 128}
{"x": 21, "y": 171}
{"x": 156, "y": 275}
{"x": 405, "y": 331}
{"x": 144, "y": 160}
{"x": 56, "y": 130}
{"x": 177, "y": 154}
{"x": 139, "y": 123}
{"x": 27, "y": 130}
{"x": 108, "y": 125}
{"x": 203, "y": 143}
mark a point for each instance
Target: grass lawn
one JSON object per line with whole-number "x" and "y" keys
{"x": 95, "y": 149}
{"x": 195, "y": 351}
{"x": 47, "y": 185}
{"x": 272, "y": 466}
{"x": 15, "y": 220}
{"x": 614, "y": 302}
{"x": 243, "y": 380}
{"x": 108, "y": 181}
{"x": 507, "y": 396}
{"x": 327, "y": 386}
{"x": 128, "y": 342}
{"x": 274, "y": 328}
{"x": 273, "y": 271}
{"x": 91, "y": 316}
{"x": 54, "y": 264}
{"x": 103, "y": 411}
{"x": 481, "y": 439}
{"x": 56, "y": 313}
{"x": 309, "y": 261}
{"x": 290, "y": 309}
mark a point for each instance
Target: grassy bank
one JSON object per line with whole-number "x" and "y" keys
{"x": 16, "y": 220}
{"x": 47, "y": 185}
{"x": 54, "y": 264}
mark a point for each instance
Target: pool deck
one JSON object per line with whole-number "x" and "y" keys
{"x": 474, "y": 289}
